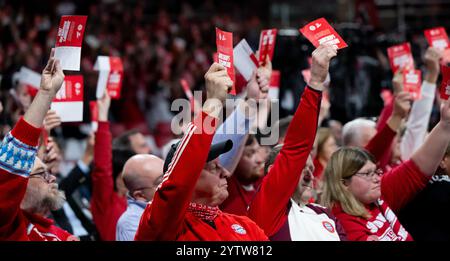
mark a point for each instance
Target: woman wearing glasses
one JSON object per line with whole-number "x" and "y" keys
{"x": 366, "y": 201}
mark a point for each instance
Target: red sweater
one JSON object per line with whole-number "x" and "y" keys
{"x": 17, "y": 154}
{"x": 269, "y": 208}
{"x": 398, "y": 187}
{"x": 106, "y": 205}
{"x": 166, "y": 218}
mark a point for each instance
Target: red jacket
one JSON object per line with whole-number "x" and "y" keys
{"x": 166, "y": 218}
{"x": 106, "y": 205}
{"x": 17, "y": 154}
{"x": 269, "y": 208}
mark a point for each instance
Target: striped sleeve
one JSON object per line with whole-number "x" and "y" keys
{"x": 162, "y": 219}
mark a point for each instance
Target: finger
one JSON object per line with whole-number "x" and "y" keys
{"x": 221, "y": 73}
{"x": 215, "y": 67}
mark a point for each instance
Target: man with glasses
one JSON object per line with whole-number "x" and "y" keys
{"x": 27, "y": 191}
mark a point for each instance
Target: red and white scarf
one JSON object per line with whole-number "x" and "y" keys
{"x": 203, "y": 212}
{"x": 390, "y": 216}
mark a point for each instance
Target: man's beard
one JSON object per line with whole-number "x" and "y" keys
{"x": 54, "y": 200}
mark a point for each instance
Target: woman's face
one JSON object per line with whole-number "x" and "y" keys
{"x": 365, "y": 184}
{"x": 328, "y": 148}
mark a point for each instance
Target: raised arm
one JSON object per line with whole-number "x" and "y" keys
{"x": 18, "y": 149}
{"x": 163, "y": 218}
{"x": 270, "y": 203}
{"x": 243, "y": 118}
{"x": 417, "y": 124}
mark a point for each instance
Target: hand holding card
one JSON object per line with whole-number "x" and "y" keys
{"x": 320, "y": 32}
{"x": 224, "y": 42}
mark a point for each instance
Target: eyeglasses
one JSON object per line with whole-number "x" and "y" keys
{"x": 369, "y": 175}
{"x": 45, "y": 175}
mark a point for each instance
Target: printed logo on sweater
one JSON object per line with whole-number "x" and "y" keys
{"x": 238, "y": 229}
{"x": 328, "y": 226}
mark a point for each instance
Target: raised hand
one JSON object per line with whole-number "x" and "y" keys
{"x": 103, "y": 107}
{"x": 218, "y": 83}
{"x": 52, "y": 76}
{"x": 321, "y": 58}
{"x": 431, "y": 60}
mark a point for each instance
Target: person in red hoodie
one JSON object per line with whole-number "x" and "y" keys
{"x": 27, "y": 191}
{"x": 185, "y": 204}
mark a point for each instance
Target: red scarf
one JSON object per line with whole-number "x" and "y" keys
{"x": 203, "y": 212}
{"x": 398, "y": 229}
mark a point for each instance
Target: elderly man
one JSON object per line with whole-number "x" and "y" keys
{"x": 27, "y": 191}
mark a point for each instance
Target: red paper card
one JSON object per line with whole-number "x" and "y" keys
{"x": 274, "y": 86}
{"x": 68, "y": 102}
{"x": 445, "y": 84}
{"x": 115, "y": 77}
{"x": 69, "y": 40}
{"x": 72, "y": 89}
{"x": 267, "y": 44}
{"x": 412, "y": 80}
{"x": 224, "y": 42}
{"x": 71, "y": 30}
{"x": 320, "y": 32}
{"x": 94, "y": 110}
{"x": 400, "y": 57}
{"x": 437, "y": 37}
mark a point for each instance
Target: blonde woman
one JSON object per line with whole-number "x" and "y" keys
{"x": 365, "y": 201}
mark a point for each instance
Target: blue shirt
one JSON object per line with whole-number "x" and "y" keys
{"x": 129, "y": 221}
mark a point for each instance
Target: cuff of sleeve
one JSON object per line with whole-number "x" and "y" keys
{"x": 26, "y": 133}
{"x": 103, "y": 126}
{"x": 312, "y": 89}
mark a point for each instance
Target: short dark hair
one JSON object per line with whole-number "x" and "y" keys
{"x": 121, "y": 152}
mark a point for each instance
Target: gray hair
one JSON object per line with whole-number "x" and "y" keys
{"x": 351, "y": 132}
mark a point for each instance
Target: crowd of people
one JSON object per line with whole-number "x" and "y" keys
{"x": 132, "y": 179}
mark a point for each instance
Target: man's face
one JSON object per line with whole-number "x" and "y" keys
{"x": 251, "y": 164}
{"x": 212, "y": 183}
{"x": 367, "y": 135}
{"x": 42, "y": 194}
{"x": 139, "y": 144}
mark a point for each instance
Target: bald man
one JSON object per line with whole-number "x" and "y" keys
{"x": 141, "y": 174}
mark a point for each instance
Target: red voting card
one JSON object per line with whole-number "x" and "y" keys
{"x": 412, "y": 80}
{"x": 267, "y": 44}
{"x": 115, "y": 77}
{"x": 445, "y": 84}
{"x": 72, "y": 89}
{"x": 94, "y": 110}
{"x": 224, "y": 42}
{"x": 68, "y": 102}
{"x": 274, "y": 86}
{"x": 437, "y": 37}
{"x": 400, "y": 57}
{"x": 320, "y": 32}
{"x": 69, "y": 40}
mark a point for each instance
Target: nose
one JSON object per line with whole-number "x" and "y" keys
{"x": 224, "y": 173}
{"x": 51, "y": 178}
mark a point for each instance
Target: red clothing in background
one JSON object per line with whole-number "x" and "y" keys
{"x": 106, "y": 205}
